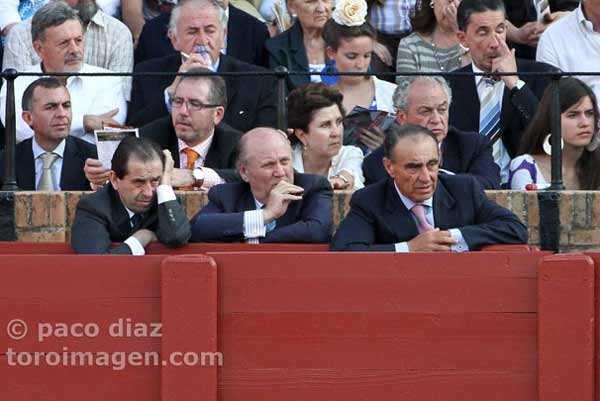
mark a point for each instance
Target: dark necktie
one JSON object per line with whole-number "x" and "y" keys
{"x": 136, "y": 220}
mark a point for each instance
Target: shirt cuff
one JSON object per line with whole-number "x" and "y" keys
{"x": 402, "y": 247}
{"x": 168, "y": 101}
{"x": 136, "y": 247}
{"x": 211, "y": 178}
{"x": 165, "y": 193}
{"x": 254, "y": 224}
{"x": 462, "y": 245}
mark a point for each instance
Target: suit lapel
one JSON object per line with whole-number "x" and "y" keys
{"x": 297, "y": 49}
{"x": 26, "y": 166}
{"x": 71, "y": 166}
{"x": 400, "y": 218}
{"x": 443, "y": 205}
{"x": 225, "y": 65}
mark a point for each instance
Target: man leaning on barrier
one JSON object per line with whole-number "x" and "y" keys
{"x": 137, "y": 207}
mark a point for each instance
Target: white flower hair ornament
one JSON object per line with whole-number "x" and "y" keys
{"x": 350, "y": 12}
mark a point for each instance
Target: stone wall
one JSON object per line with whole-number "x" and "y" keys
{"x": 48, "y": 216}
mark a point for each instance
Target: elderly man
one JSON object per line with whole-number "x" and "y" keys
{"x": 498, "y": 109}
{"x": 418, "y": 210}
{"x": 273, "y": 204}
{"x": 57, "y": 34}
{"x": 136, "y": 208}
{"x": 107, "y": 40}
{"x": 425, "y": 101}
{"x": 52, "y": 160}
{"x": 197, "y": 30}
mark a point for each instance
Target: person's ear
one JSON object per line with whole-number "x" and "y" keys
{"x": 219, "y": 114}
{"x": 302, "y": 136}
{"x": 462, "y": 38}
{"x": 173, "y": 38}
{"x": 389, "y": 167}
{"x": 27, "y": 117}
{"x": 401, "y": 117}
{"x": 330, "y": 53}
{"x": 243, "y": 172}
{"x": 38, "y": 47}
{"x": 114, "y": 180}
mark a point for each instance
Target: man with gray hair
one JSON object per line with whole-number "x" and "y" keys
{"x": 197, "y": 30}
{"x": 425, "y": 101}
{"x": 57, "y": 35}
{"x": 108, "y": 42}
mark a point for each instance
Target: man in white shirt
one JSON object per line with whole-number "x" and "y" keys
{"x": 57, "y": 34}
{"x": 573, "y": 43}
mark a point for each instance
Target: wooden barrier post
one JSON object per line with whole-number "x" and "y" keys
{"x": 189, "y": 328}
{"x": 566, "y": 328}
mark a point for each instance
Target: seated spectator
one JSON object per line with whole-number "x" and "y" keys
{"x": 201, "y": 145}
{"x": 425, "y": 101}
{"x": 315, "y": 114}
{"x": 350, "y": 41}
{"x": 52, "y": 160}
{"x": 433, "y": 46}
{"x": 579, "y": 128}
{"x": 273, "y": 204}
{"x": 418, "y": 210}
{"x": 244, "y": 41}
{"x": 57, "y": 34}
{"x": 301, "y": 47}
{"x": 136, "y": 208}
{"x": 498, "y": 109}
{"x": 573, "y": 43}
{"x": 107, "y": 42}
{"x": 198, "y": 24}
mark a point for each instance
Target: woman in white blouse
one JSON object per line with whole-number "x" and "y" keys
{"x": 315, "y": 114}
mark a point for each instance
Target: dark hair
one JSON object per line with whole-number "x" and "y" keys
{"x": 423, "y": 18}
{"x": 395, "y": 132}
{"x": 217, "y": 93}
{"x": 304, "y": 101}
{"x": 48, "y": 83}
{"x": 468, "y": 7}
{"x": 571, "y": 90}
{"x": 131, "y": 147}
{"x": 52, "y": 14}
{"x": 333, "y": 33}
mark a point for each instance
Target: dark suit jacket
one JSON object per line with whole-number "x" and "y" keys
{"x": 72, "y": 177}
{"x": 251, "y": 101}
{"x": 246, "y": 38}
{"x": 287, "y": 49}
{"x": 517, "y": 110}
{"x": 307, "y": 220}
{"x": 462, "y": 153}
{"x": 378, "y": 218}
{"x": 101, "y": 219}
{"x": 221, "y": 156}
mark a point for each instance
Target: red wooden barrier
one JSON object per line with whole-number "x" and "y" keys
{"x": 596, "y": 258}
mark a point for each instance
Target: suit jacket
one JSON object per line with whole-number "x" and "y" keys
{"x": 72, "y": 177}
{"x": 101, "y": 219}
{"x": 378, "y": 218}
{"x": 307, "y": 220}
{"x": 221, "y": 155}
{"x": 462, "y": 153}
{"x": 251, "y": 101}
{"x": 246, "y": 38}
{"x": 517, "y": 109}
{"x": 287, "y": 49}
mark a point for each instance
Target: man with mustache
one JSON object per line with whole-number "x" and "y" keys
{"x": 272, "y": 204}
{"x": 501, "y": 108}
{"x": 57, "y": 34}
{"x": 107, "y": 40}
{"x": 137, "y": 207}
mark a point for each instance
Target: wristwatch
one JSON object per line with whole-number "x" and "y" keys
{"x": 198, "y": 175}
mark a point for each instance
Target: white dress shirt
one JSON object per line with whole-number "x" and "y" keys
{"x": 211, "y": 177}
{"x": 56, "y": 168}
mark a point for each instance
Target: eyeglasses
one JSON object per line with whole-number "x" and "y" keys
{"x": 192, "y": 104}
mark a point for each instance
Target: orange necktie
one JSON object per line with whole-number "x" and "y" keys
{"x": 192, "y": 156}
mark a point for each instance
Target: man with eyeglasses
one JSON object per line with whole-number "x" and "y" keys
{"x": 203, "y": 146}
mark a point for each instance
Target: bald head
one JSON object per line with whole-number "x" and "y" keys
{"x": 260, "y": 137}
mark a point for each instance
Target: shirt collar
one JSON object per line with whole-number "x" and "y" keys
{"x": 478, "y": 78}
{"x": 409, "y": 203}
{"x": 38, "y": 150}
{"x": 98, "y": 19}
{"x": 581, "y": 18}
{"x": 202, "y": 148}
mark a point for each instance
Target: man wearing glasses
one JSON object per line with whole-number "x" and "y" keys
{"x": 203, "y": 146}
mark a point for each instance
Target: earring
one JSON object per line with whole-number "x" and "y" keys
{"x": 547, "y": 147}
{"x": 431, "y": 4}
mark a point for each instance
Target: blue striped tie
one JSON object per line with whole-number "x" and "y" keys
{"x": 489, "y": 116}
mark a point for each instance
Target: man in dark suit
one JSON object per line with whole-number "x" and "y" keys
{"x": 246, "y": 37}
{"x": 136, "y": 208}
{"x": 425, "y": 101}
{"x": 417, "y": 210}
{"x": 251, "y": 99}
{"x": 203, "y": 147}
{"x": 499, "y": 109}
{"x": 273, "y": 204}
{"x": 52, "y": 160}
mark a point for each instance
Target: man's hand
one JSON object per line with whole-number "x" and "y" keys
{"x": 95, "y": 172}
{"x": 182, "y": 177}
{"x": 344, "y": 180}
{"x": 506, "y": 62}
{"x": 93, "y": 122}
{"x": 168, "y": 168}
{"x": 145, "y": 236}
{"x": 435, "y": 240}
{"x": 383, "y": 53}
{"x": 193, "y": 60}
{"x": 279, "y": 200}
{"x": 372, "y": 138}
{"x": 529, "y": 33}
